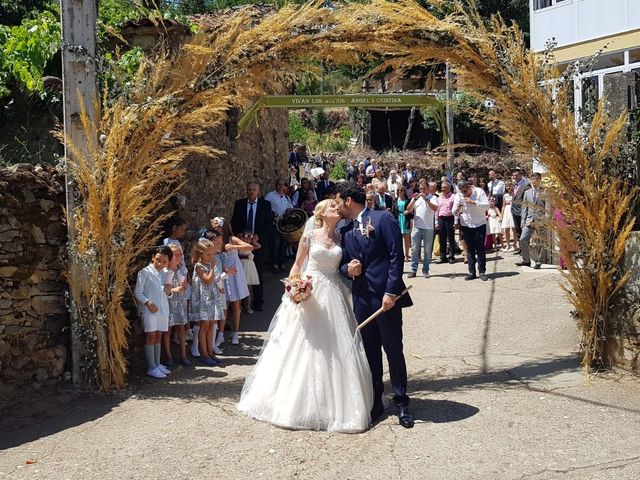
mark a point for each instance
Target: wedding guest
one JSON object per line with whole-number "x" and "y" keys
{"x": 361, "y": 181}
{"x": 408, "y": 174}
{"x": 378, "y": 179}
{"x": 535, "y": 210}
{"x": 293, "y": 178}
{"x": 253, "y": 215}
{"x": 362, "y": 170}
{"x": 520, "y": 186}
{"x": 309, "y": 204}
{"x": 249, "y": 267}
{"x": 176, "y": 279}
{"x": 370, "y": 200}
{"x": 384, "y": 201}
{"x": 176, "y": 228}
{"x": 508, "y": 225}
{"x": 351, "y": 171}
{"x": 393, "y": 184}
{"x": 470, "y": 205}
{"x": 412, "y": 188}
{"x": 423, "y": 205}
{"x": 496, "y": 189}
{"x": 235, "y": 286}
{"x": 494, "y": 219}
{"x": 294, "y": 161}
{"x": 445, "y": 223}
{"x": 370, "y": 173}
{"x": 206, "y": 298}
{"x": 324, "y": 185}
{"x": 280, "y": 204}
{"x": 154, "y": 304}
{"x": 401, "y": 205}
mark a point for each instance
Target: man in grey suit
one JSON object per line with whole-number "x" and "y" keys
{"x": 520, "y": 186}
{"x": 535, "y": 208}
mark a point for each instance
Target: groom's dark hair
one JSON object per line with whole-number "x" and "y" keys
{"x": 351, "y": 189}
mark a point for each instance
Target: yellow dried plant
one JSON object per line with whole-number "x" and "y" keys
{"x": 126, "y": 179}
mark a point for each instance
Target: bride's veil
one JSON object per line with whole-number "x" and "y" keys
{"x": 308, "y": 228}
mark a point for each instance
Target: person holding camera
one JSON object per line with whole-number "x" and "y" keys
{"x": 470, "y": 205}
{"x": 423, "y": 205}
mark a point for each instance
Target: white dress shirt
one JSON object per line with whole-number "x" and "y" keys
{"x": 473, "y": 215}
{"x": 279, "y": 203}
{"x": 496, "y": 187}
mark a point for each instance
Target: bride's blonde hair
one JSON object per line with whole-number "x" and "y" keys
{"x": 319, "y": 210}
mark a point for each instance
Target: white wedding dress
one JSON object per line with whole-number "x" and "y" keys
{"x": 311, "y": 374}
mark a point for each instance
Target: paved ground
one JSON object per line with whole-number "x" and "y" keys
{"x": 495, "y": 386}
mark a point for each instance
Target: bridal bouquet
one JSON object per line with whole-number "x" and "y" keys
{"x": 298, "y": 288}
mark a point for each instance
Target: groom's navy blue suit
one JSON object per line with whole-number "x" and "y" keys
{"x": 381, "y": 254}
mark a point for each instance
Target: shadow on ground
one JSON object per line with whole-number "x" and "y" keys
{"x": 441, "y": 411}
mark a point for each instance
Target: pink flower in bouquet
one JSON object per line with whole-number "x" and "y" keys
{"x": 298, "y": 288}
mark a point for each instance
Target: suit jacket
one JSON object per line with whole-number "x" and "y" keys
{"x": 388, "y": 202}
{"x": 381, "y": 255}
{"x": 321, "y": 189}
{"x": 263, "y": 217}
{"x": 534, "y": 210}
{"x": 516, "y": 203}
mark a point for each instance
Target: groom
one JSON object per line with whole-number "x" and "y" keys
{"x": 372, "y": 256}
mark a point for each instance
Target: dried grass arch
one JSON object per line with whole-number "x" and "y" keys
{"x": 162, "y": 120}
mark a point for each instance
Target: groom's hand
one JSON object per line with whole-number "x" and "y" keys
{"x": 388, "y": 302}
{"x": 354, "y": 268}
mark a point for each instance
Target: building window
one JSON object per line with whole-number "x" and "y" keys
{"x": 540, "y": 4}
{"x": 634, "y": 55}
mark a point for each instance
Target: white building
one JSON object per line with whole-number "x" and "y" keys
{"x": 579, "y": 29}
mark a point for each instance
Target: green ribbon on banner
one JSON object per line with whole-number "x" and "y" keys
{"x": 336, "y": 101}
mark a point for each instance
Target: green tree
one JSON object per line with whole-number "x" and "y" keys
{"x": 25, "y": 50}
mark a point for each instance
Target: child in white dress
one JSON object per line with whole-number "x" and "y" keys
{"x": 249, "y": 267}
{"x": 494, "y": 218}
{"x": 508, "y": 225}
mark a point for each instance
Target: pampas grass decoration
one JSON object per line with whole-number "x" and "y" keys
{"x": 125, "y": 181}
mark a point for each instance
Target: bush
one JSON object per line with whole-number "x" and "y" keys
{"x": 297, "y": 132}
{"x": 339, "y": 170}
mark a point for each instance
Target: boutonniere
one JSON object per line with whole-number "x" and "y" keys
{"x": 368, "y": 229}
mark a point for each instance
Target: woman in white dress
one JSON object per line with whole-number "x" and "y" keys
{"x": 311, "y": 374}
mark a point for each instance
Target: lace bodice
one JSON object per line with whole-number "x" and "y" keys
{"x": 322, "y": 259}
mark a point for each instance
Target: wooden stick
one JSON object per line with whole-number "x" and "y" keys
{"x": 380, "y": 311}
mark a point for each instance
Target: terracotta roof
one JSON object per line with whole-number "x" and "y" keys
{"x": 134, "y": 27}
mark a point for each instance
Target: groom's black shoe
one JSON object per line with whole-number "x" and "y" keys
{"x": 377, "y": 412}
{"x": 406, "y": 419}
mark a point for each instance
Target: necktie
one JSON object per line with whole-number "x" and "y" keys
{"x": 535, "y": 196}
{"x": 250, "y": 217}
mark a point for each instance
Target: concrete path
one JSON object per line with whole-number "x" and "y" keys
{"x": 495, "y": 383}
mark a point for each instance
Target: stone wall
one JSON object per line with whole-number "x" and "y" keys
{"x": 623, "y": 341}
{"x": 34, "y": 337}
{"x": 214, "y": 184}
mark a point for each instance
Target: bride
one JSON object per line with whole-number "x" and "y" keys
{"x": 311, "y": 375}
